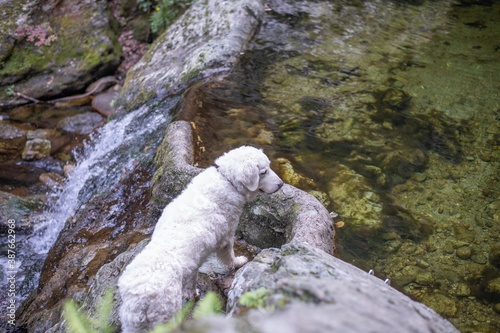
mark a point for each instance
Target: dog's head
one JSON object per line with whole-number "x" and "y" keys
{"x": 247, "y": 168}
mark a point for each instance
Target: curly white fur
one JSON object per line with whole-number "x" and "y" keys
{"x": 202, "y": 220}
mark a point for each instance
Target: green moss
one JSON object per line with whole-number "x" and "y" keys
{"x": 72, "y": 44}
{"x": 255, "y": 298}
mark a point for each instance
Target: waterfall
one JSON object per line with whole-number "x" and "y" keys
{"x": 98, "y": 167}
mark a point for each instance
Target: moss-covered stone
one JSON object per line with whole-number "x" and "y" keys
{"x": 69, "y": 59}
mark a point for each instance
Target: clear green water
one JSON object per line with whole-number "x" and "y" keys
{"x": 388, "y": 112}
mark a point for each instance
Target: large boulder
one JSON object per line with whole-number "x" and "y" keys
{"x": 46, "y": 48}
{"x": 299, "y": 288}
{"x": 207, "y": 39}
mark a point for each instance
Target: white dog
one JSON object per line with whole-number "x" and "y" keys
{"x": 201, "y": 221}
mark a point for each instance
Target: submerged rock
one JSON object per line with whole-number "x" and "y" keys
{"x": 83, "y": 123}
{"x": 356, "y": 199}
{"x": 12, "y": 140}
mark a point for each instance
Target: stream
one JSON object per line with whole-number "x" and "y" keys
{"x": 387, "y": 111}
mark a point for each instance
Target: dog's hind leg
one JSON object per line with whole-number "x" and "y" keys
{"x": 226, "y": 256}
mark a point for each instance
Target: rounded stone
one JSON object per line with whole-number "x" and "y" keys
{"x": 493, "y": 286}
{"x": 494, "y": 256}
{"x": 464, "y": 252}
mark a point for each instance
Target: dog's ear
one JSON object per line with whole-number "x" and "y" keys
{"x": 250, "y": 177}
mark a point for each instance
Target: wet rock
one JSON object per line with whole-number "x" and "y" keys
{"x": 355, "y": 198}
{"x": 464, "y": 252}
{"x": 12, "y": 141}
{"x": 42, "y": 134}
{"x": 16, "y": 210}
{"x": 42, "y": 116}
{"x": 51, "y": 52}
{"x": 51, "y": 179}
{"x": 68, "y": 170}
{"x": 105, "y": 103}
{"x": 36, "y": 149}
{"x": 211, "y": 33}
{"x": 83, "y": 123}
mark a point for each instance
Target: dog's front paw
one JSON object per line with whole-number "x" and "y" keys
{"x": 240, "y": 261}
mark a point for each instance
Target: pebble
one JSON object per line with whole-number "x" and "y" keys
{"x": 425, "y": 279}
{"x": 464, "y": 252}
{"x": 419, "y": 177}
{"x": 448, "y": 247}
{"x": 493, "y": 286}
{"x": 461, "y": 289}
{"x": 51, "y": 179}
{"x": 479, "y": 259}
{"x": 36, "y": 149}
{"x": 68, "y": 170}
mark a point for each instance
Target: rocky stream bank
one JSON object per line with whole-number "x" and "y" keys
{"x": 143, "y": 156}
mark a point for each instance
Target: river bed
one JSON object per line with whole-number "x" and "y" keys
{"x": 389, "y": 113}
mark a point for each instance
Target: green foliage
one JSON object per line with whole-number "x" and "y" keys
{"x": 164, "y": 12}
{"x": 10, "y": 90}
{"x": 255, "y": 298}
{"x": 81, "y": 322}
{"x": 208, "y": 305}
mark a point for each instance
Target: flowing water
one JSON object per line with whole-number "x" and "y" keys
{"x": 388, "y": 112}
{"x": 109, "y": 156}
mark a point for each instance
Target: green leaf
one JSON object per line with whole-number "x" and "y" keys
{"x": 77, "y": 322}
{"x": 255, "y": 298}
{"x": 208, "y": 305}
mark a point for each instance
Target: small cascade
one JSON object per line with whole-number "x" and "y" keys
{"x": 112, "y": 151}
{"x": 90, "y": 165}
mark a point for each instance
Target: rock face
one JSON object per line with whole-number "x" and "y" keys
{"x": 303, "y": 289}
{"x": 45, "y": 50}
{"x": 198, "y": 43}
